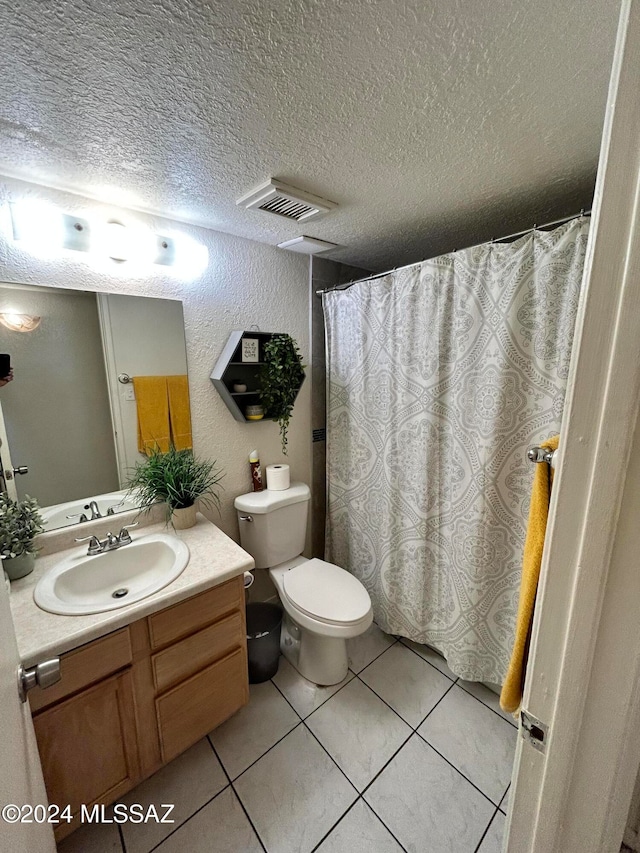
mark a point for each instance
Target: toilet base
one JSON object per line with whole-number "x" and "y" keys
{"x": 320, "y": 659}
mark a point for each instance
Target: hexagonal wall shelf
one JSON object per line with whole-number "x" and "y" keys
{"x": 239, "y": 364}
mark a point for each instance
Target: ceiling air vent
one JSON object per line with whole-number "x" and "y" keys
{"x": 290, "y": 202}
{"x": 307, "y": 245}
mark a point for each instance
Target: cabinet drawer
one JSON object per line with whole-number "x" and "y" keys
{"x": 192, "y": 709}
{"x": 195, "y": 613}
{"x": 188, "y": 656}
{"x": 85, "y": 666}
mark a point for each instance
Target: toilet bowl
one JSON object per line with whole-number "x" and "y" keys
{"x": 324, "y": 605}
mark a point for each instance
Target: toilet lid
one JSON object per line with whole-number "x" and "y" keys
{"x": 326, "y": 592}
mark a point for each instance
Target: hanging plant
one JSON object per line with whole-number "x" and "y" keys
{"x": 281, "y": 376}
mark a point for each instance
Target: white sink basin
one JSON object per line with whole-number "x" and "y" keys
{"x": 81, "y": 584}
{"x": 55, "y": 517}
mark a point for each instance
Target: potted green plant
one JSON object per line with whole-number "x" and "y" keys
{"x": 20, "y": 523}
{"x": 280, "y": 379}
{"x": 180, "y": 480}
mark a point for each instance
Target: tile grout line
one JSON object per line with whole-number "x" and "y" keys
{"x": 415, "y": 728}
{"x": 376, "y": 657}
{"x": 303, "y": 723}
{"x": 332, "y": 759}
{"x": 300, "y": 723}
{"x": 484, "y": 834}
{"x": 392, "y": 834}
{"x": 457, "y": 769}
{"x": 341, "y": 818}
{"x": 395, "y": 753}
{"x": 420, "y": 735}
{"x": 416, "y": 732}
{"x": 382, "y": 769}
{"x": 186, "y": 820}
{"x": 242, "y": 772}
{"x": 366, "y": 805}
{"x": 323, "y": 747}
{"x": 359, "y": 793}
{"x": 284, "y": 695}
{"x": 457, "y": 680}
{"x": 359, "y": 797}
{"x": 504, "y": 797}
{"x": 237, "y": 795}
{"x": 486, "y": 705}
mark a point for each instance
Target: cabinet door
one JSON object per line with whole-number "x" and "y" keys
{"x": 88, "y": 744}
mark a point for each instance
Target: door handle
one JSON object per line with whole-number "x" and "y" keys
{"x": 44, "y": 674}
{"x": 9, "y": 472}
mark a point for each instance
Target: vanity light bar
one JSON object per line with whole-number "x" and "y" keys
{"x": 40, "y": 224}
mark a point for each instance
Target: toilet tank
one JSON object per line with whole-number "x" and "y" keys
{"x": 278, "y": 527}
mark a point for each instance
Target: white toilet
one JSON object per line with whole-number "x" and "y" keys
{"x": 324, "y": 605}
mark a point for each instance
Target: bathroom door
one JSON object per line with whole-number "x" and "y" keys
{"x": 21, "y": 782}
{"x": 583, "y": 677}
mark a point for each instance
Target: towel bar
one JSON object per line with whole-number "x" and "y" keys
{"x": 541, "y": 454}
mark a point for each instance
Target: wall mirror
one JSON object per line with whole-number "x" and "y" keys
{"x": 70, "y": 417}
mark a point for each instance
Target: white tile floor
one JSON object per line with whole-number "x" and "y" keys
{"x": 401, "y": 756}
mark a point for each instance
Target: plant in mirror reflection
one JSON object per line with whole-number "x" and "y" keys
{"x": 176, "y": 478}
{"x": 20, "y": 523}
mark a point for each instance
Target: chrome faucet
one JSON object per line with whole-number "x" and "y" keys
{"x": 109, "y": 543}
{"x": 95, "y": 512}
{"x": 111, "y": 510}
{"x": 81, "y": 516}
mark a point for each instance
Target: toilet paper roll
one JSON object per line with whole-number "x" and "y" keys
{"x": 278, "y": 478}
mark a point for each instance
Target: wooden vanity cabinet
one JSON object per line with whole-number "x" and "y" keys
{"x": 131, "y": 701}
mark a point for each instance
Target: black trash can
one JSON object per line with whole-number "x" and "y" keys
{"x": 264, "y": 621}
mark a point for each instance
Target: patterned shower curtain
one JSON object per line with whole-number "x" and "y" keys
{"x": 439, "y": 378}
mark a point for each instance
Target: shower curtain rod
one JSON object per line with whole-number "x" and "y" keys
{"x": 373, "y": 277}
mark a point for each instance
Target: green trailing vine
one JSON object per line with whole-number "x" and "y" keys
{"x": 281, "y": 376}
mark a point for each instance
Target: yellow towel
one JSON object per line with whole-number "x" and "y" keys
{"x": 511, "y": 694}
{"x": 180, "y": 412}
{"x": 152, "y": 403}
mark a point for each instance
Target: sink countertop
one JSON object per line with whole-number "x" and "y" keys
{"x": 214, "y": 558}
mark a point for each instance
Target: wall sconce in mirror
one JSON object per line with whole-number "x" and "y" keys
{"x": 20, "y": 322}
{"x": 44, "y": 229}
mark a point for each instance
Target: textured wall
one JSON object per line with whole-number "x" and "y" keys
{"x": 245, "y": 283}
{"x": 433, "y": 125}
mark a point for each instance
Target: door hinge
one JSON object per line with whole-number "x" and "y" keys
{"x": 534, "y": 731}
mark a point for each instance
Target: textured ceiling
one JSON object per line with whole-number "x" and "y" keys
{"x": 433, "y": 125}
